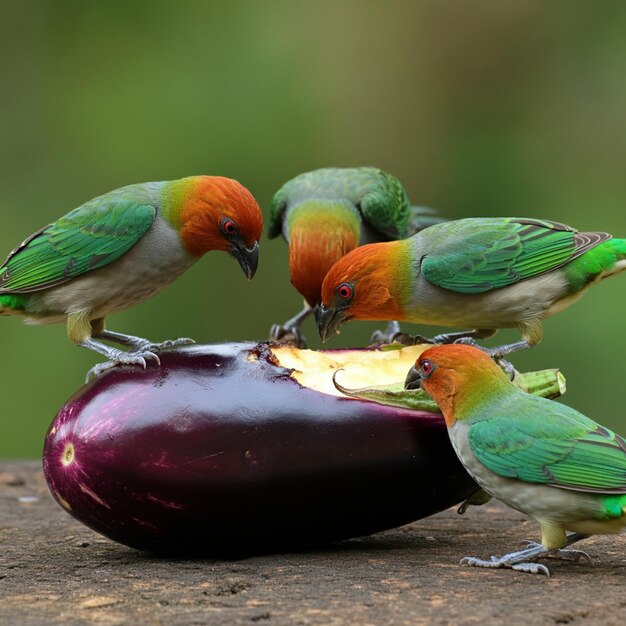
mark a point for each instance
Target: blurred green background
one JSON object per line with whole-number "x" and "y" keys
{"x": 491, "y": 107}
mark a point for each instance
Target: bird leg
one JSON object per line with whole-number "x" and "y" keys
{"x": 289, "y": 332}
{"x": 501, "y": 351}
{"x": 564, "y": 554}
{"x": 477, "y": 333}
{"x": 532, "y": 333}
{"x": 116, "y": 357}
{"x": 523, "y": 560}
{"x": 388, "y": 335}
{"x": 81, "y": 330}
{"x": 138, "y": 344}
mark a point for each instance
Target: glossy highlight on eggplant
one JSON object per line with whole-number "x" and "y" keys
{"x": 221, "y": 452}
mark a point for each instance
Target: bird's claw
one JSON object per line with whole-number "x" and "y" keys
{"x": 405, "y": 339}
{"x": 472, "y": 561}
{"x": 572, "y": 555}
{"x": 507, "y": 367}
{"x": 420, "y": 339}
{"x": 171, "y": 343}
{"x": 379, "y": 338}
{"x": 288, "y": 334}
{"x": 520, "y": 561}
{"x": 144, "y": 345}
{"x": 495, "y": 562}
{"x": 531, "y": 568}
{"x": 119, "y": 357}
{"x": 470, "y": 341}
{"x": 391, "y": 334}
{"x": 443, "y": 339}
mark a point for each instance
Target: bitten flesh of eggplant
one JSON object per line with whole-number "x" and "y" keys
{"x": 242, "y": 448}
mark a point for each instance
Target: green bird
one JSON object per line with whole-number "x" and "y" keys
{"x": 121, "y": 248}
{"x": 478, "y": 273}
{"x": 328, "y": 212}
{"x": 538, "y": 456}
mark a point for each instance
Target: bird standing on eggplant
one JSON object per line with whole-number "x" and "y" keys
{"x": 480, "y": 274}
{"x": 538, "y": 456}
{"x": 119, "y": 249}
{"x": 328, "y": 212}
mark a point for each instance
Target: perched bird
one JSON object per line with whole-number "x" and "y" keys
{"x": 537, "y": 456}
{"x": 324, "y": 214}
{"x": 477, "y": 273}
{"x": 121, "y": 248}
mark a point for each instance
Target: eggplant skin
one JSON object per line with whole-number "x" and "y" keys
{"x": 219, "y": 452}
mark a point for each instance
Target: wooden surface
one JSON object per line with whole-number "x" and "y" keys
{"x": 53, "y": 570}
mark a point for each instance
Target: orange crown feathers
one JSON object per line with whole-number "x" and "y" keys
{"x": 378, "y": 272}
{"x": 462, "y": 378}
{"x": 207, "y": 201}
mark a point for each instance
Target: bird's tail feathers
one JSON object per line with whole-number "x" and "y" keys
{"x": 618, "y": 247}
{"x": 602, "y": 261}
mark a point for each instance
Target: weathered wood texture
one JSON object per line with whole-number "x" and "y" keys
{"x": 53, "y": 570}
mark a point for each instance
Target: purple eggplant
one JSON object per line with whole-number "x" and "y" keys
{"x": 224, "y": 451}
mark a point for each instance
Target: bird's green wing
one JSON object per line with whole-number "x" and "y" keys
{"x": 277, "y": 212}
{"x": 384, "y": 203}
{"x": 479, "y": 254}
{"x": 379, "y": 197}
{"x": 563, "y": 449}
{"x": 91, "y": 236}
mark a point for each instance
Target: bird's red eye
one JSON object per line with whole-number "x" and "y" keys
{"x": 229, "y": 227}
{"x": 345, "y": 291}
{"x": 427, "y": 368}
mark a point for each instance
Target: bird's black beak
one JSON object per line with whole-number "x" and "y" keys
{"x": 413, "y": 379}
{"x": 248, "y": 258}
{"x": 328, "y": 321}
